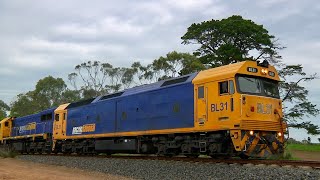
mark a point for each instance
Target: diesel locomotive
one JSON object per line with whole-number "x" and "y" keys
{"x": 232, "y": 110}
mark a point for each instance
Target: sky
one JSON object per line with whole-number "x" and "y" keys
{"x": 49, "y": 37}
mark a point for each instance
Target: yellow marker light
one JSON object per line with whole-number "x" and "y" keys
{"x": 264, "y": 71}
{"x": 279, "y": 134}
{"x": 251, "y": 133}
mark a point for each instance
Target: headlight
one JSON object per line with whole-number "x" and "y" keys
{"x": 279, "y": 134}
{"x": 251, "y": 133}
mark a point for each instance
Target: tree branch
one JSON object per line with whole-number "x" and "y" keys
{"x": 290, "y": 89}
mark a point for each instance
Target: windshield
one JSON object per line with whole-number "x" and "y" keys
{"x": 260, "y": 86}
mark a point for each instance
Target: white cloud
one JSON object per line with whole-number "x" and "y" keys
{"x": 189, "y": 4}
{"x": 305, "y": 53}
{"x": 6, "y": 71}
{"x": 31, "y": 62}
{"x": 272, "y": 3}
{"x": 154, "y": 13}
{"x": 109, "y": 26}
{"x": 42, "y": 46}
{"x": 114, "y": 25}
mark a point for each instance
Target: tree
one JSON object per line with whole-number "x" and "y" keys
{"x": 232, "y": 39}
{"x": 295, "y": 97}
{"x": 236, "y": 39}
{"x": 49, "y": 92}
{"x": 23, "y": 105}
{"x": 93, "y": 76}
{"x": 100, "y": 78}
{"x": 175, "y": 64}
{"x": 3, "y": 108}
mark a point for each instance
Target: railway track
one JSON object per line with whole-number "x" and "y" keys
{"x": 231, "y": 161}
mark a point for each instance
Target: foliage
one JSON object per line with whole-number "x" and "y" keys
{"x": 7, "y": 153}
{"x": 98, "y": 78}
{"x": 232, "y": 39}
{"x": 3, "y": 108}
{"x": 24, "y": 105}
{"x": 49, "y": 92}
{"x": 295, "y": 97}
{"x": 175, "y": 64}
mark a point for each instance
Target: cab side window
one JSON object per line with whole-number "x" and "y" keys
{"x": 56, "y": 117}
{"x": 6, "y": 124}
{"x": 223, "y": 87}
{"x": 231, "y": 87}
{"x": 200, "y": 92}
{"x": 226, "y": 87}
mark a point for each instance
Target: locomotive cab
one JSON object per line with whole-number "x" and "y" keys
{"x": 243, "y": 101}
{"x": 5, "y": 128}
{"x": 260, "y": 107}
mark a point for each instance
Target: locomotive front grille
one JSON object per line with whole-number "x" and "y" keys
{"x": 260, "y": 125}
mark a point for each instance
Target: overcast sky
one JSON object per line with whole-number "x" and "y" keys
{"x": 41, "y": 38}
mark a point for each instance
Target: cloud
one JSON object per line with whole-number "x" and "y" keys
{"x": 189, "y": 4}
{"x": 273, "y": 3}
{"x": 109, "y": 26}
{"x": 305, "y": 53}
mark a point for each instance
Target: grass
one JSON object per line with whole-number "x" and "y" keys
{"x": 7, "y": 153}
{"x": 304, "y": 147}
{"x": 285, "y": 156}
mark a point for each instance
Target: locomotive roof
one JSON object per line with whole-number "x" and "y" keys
{"x": 161, "y": 84}
{"x": 138, "y": 89}
{"x": 47, "y": 111}
{"x": 230, "y": 71}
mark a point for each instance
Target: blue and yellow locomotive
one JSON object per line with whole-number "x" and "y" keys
{"x": 225, "y": 111}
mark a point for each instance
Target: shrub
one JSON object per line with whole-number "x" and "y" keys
{"x": 7, "y": 153}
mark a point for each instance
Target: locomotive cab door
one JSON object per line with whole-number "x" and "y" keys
{"x": 201, "y": 105}
{"x": 59, "y": 124}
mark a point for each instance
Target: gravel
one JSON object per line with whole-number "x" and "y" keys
{"x": 157, "y": 169}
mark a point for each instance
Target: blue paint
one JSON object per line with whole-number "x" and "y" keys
{"x": 147, "y": 107}
{"x": 20, "y": 124}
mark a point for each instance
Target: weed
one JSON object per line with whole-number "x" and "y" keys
{"x": 7, "y": 154}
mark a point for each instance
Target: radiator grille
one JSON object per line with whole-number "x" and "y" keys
{"x": 260, "y": 125}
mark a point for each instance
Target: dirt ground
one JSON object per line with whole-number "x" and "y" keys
{"x": 306, "y": 155}
{"x": 17, "y": 169}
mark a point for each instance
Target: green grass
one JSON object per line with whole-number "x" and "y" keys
{"x": 7, "y": 154}
{"x": 304, "y": 147}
